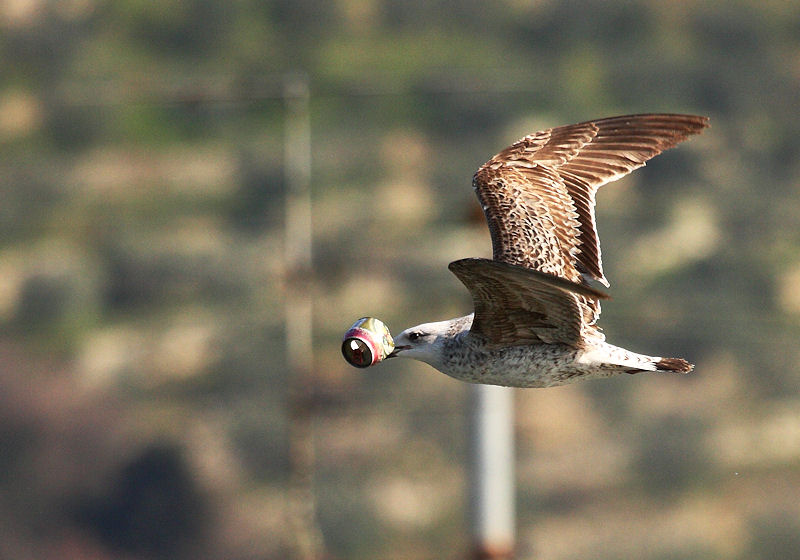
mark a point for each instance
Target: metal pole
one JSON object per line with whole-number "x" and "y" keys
{"x": 306, "y": 536}
{"x": 492, "y": 472}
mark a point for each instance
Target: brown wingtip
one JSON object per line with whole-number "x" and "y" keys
{"x": 676, "y": 365}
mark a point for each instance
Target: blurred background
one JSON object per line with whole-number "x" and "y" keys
{"x": 149, "y": 407}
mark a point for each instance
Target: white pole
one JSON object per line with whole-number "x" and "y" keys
{"x": 302, "y": 508}
{"x": 492, "y": 472}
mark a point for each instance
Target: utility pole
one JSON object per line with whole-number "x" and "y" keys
{"x": 302, "y": 508}
{"x": 491, "y": 474}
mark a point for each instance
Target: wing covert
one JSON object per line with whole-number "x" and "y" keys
{"x": 515, "y": 305}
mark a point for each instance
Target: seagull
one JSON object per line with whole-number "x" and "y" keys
{"x": 535, "y": 302}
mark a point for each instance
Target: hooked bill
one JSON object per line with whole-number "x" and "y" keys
{"x": 367, "y": 342}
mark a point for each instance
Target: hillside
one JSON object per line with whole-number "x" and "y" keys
{"x": 144, "y": 381}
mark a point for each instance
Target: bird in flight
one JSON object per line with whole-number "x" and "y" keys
{"x": 534, "y": 323}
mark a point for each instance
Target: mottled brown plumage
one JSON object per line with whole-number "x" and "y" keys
{"x": 538, "y": 194}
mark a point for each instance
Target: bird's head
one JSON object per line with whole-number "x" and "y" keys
{"x": 424, "y": 342}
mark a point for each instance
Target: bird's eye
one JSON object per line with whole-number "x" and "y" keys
{"x": 416, "y": 335}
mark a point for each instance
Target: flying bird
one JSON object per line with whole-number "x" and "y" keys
{"x": 535, "y": 306}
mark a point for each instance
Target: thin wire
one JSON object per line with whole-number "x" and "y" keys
{"x": 228, "y": 89}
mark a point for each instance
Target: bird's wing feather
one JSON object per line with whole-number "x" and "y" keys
{"x": 538, "y": 194}
{"x": 515, "y": 305}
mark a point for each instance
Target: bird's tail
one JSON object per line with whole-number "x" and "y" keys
{"x": 631, "y": 362}
{"x": 676, "y": 365}
{"x": 620, "y": 360}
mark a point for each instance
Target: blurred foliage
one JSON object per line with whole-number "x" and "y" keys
{"x": 143, "y": 377}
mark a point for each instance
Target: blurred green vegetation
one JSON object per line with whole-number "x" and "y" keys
{"x": 143, "y": 377}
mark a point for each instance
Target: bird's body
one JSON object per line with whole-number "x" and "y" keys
{"x": 535, "y": 308}
{"x": 473, "y": 359}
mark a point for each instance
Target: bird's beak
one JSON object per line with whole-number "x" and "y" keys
{"x": 396, "y": 351}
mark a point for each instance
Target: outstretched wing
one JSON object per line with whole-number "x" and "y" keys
{"x": 515, "y": 305}
{"x": 539, "y": 193}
